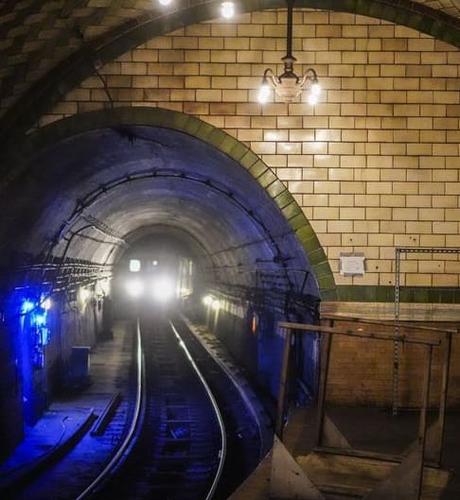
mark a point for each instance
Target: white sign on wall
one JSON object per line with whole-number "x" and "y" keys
{"x": 352, "y": 264}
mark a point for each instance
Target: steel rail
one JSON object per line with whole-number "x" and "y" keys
{"x": 130, "y": 438}
{"x": 223, "y": 450}
{"x": 236, "y": 384}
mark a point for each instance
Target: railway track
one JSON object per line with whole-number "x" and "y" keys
{"x": 193, "y": 437}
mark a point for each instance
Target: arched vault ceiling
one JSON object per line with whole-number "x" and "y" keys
{"x": 141, "y": 178}
{"x": 38, "y": 36}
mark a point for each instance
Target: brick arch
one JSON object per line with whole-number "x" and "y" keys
{"x": 157, "y": 117}
{"x": 80, "y": 65}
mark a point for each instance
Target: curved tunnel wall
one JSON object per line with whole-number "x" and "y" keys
{"x": 92, "y": 164}
{"x": 90, "y": 186}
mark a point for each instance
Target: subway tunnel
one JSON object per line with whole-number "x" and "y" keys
{"x": 131, "y": 178}
{"x": 88, "y": 202}
{"x": 311, "y": 240}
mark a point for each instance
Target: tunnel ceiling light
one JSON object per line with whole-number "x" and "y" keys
{"x": 215, "y": 304}
{"x": 84, "y": 294}
{"x": 134, "y": 288}
{"x": 163, "y": 289}
{"x": 134, "y": 265}
{"x": 208, "y": 300}
{"x": 165, "y": 2}
{"x": 47, "y": 304}
{"x": 227, "y": 9}
{"x": 289, "y": 86}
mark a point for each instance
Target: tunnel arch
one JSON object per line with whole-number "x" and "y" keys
{"x": 81, "y": 64}
{"x": 113, "y": 119}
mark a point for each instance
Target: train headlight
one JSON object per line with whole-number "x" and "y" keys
{"x": 163, "y": 289}
{"x": 134, "y": 288}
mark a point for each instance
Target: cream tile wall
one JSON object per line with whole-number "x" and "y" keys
{"x": 374, "y": 165}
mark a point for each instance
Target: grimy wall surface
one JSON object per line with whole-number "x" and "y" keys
{"x": 374, "y": 165}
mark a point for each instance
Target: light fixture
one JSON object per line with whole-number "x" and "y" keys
{"x": 134, "y": 265}
{"x": 289, "y": 86}
{"x": 227, "y": 9}
{"x": 47, "y": 304}
{"x": 84, "y": 294}
{"x": 208, "y": 300}
{"x": 165, "y": 2}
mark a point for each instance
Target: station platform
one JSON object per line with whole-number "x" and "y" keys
{"x": 59, "y": 452}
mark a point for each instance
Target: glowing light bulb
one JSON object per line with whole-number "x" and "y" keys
{"x": 27, "y": 306}
{"x": 47, "y": 304}
{"x": 264, "y": 93}
{"x": 165, "y": 2}
{"x": 208, "y": 300}
{"x": 315, "y": 89}
{"x": 227, "y": 9}
{"x": 312, "y": 99}
{"x": 84, "y": 294}
{"x": 215, "y": 305}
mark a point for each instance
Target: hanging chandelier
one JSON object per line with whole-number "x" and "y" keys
{"x": 289, "y": 86}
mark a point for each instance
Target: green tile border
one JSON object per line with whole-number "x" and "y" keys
{"x": 424, "y": 295}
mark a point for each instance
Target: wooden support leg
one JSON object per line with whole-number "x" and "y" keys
{"x": 324, "y": 363}
{"x": 282, "y": 393}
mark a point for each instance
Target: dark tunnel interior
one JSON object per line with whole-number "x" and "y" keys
{"x": 87, "y": 204}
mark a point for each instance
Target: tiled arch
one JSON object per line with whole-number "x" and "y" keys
{"x": 80, "y": 65}
{"x": 157, "y": 117}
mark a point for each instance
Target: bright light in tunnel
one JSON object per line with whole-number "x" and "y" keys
{"x": 47, "y": 304}
{"x": 134, "y": 288}
{"x": 134, "y": 265}
{"x": 208, "y": 300}
{"x": 264, "y": 94}
{"x": 227, "y": 9}
{"x": 215, "y": 304}
{"x": 163, "y": 289}
{"x": 84, "y": 294}
{"x": 165, "y": 2}
{"x": 27, "y": 306}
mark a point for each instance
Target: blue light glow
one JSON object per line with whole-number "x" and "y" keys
{"x": 27, "y": 306}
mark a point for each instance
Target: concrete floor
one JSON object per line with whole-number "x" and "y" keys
{"x": 376, "y": 430}
{"x": 111, "y": 363}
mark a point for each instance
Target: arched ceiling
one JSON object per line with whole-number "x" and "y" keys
{"x": 95, "y": 189}
{"x": 48, "y": 47}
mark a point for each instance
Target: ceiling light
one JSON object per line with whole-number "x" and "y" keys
{"x": 288, "y": 86}
{"x": 227, "y": 9}
{"x": 208, "y": 300}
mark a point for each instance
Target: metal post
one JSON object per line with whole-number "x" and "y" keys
{"x": 396, "y": 344}
{"x": 423, "y": 415}
{"x": 324, "y": 362}
{"x": 444, "y": 391}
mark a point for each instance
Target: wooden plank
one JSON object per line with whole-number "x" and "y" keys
{"x": 410, "y": 326}
{"x": 382, "y": 311}
{"x": 350, "y": 333}
{"x": 324, "y": 370}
